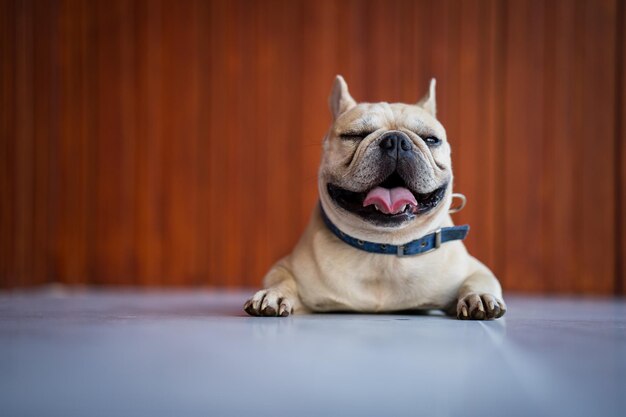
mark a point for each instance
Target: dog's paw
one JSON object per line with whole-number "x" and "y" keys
{"x": 480, "y": 307}
{"x": 270, "y": 303}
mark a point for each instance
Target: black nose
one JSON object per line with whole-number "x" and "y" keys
{"x": 395, "y": 144}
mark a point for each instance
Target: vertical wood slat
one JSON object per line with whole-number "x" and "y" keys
{"x": 221, "y": 34}
{"x": 149, "y": 144}
{"x": 24, "y": 143}
{"x": 284, "y": 152}
{"x": 248, "y": 150}
{"x": 70, "y": 257}
{"x": 598, "y": 182}
{"x": 180, "y": 163}
{"x": 523, "y": 147}
{"x": 232, "y": 206}
{"x": 114, "y": 164}
{"x": 42, "y": 60}
{"x": 559, "y": 181}
{"x": 262, "y": 209}
{"x": 322, "y": 50}
{"x": 473, "y": 138}
{"x": 5, "y": 75}
{"x": 177, "y": 143}
{"x": 620, "y": 142}
{"x": 201, "y": 16}
{"x": 7, "y": 150}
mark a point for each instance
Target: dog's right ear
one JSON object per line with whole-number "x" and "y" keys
{"x": 429, "y": 101}
{"x": 340, "y": 99}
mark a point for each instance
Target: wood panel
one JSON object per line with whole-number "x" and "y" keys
{"x": 559, "y": 182}
{"x": 177, "y": 142}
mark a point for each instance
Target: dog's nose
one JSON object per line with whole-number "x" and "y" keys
{"x": 395, "y": 144}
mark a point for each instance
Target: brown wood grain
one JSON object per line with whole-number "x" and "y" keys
{"x": 559, "y": 184}
{"x": 598, "y": 179}
{"x": 148, "y": 209}
{"x": 169, "y": 143}
{"x": 24, "y": 146}
{"x": 620, "y": 146}
{"x": 7, "y": 119}
{"x": 474, "y": 136}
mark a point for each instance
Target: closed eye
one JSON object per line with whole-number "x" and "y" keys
{"x": 354, "y": 136}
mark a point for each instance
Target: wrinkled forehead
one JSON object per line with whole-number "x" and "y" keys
{"x": 373, "y": 116}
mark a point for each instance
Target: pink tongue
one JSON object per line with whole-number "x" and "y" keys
{"x": 390, "y": 201}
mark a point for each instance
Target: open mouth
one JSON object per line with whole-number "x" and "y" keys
{"x": 390, "y": 203}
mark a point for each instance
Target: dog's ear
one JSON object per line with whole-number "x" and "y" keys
{"x": 340, "y": 99}
{"x": 429, "y": 101}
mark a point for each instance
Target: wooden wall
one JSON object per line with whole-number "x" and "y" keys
{"x": 157, "y": 142}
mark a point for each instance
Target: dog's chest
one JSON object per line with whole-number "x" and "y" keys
{"x": 350, "y": 279}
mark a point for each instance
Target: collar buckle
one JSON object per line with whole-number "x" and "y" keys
{"x": 437, "y": 242}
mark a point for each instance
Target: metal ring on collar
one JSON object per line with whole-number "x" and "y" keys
{"x": 461, "y": 197}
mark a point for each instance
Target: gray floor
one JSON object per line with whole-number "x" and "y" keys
{"x": 196, "y": 353}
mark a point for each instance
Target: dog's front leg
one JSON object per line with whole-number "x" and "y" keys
{"x": 480, "y": 296}
{"x": 279, "y": 298}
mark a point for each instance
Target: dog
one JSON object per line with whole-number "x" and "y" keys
{"x": 381, "y": 238}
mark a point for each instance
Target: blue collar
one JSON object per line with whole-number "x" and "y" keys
{"x": 424, "y": 244}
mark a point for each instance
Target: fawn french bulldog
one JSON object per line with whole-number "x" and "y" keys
{"x": 382, "y": 238}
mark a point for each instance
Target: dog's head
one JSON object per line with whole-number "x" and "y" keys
{"x": 386, "y": 173}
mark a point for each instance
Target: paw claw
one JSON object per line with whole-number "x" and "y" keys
{"x": 247, "y": 307}
{"x": 464, "y": 314}
{"x": 268, "y": 303}
{"x": 269, "y": 311}
{"x": 479, "y": 314}
{"x": 480, "y": 307}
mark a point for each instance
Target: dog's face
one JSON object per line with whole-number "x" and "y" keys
{"x": 385, "y": 167}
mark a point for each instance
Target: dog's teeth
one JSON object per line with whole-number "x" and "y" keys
{"x": 376, "y": 206}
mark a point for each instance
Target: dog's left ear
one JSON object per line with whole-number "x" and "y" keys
{"x": 429, "y": 101}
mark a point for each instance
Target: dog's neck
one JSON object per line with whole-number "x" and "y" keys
{"x": 393, "y": 236}
{"x": 427, "y": 243}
